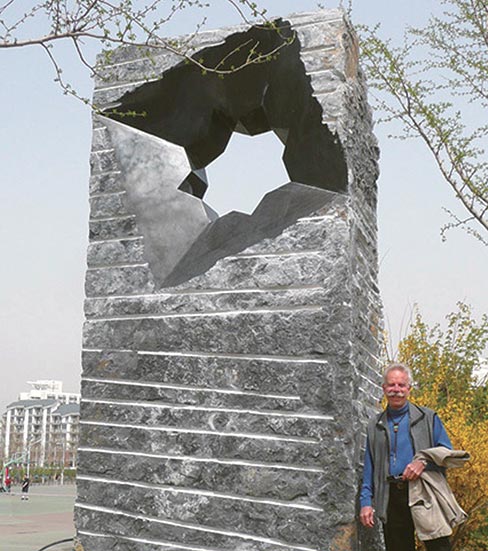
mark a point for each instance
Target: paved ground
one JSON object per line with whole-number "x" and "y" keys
{"x": 46, "y": 518}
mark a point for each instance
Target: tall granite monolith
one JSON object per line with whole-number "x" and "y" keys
{"x": 230, "y": 363}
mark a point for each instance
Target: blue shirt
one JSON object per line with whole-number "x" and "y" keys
{"x": 404, "y": 449}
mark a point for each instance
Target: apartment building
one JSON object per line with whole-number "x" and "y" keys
{"x": 41, "y": 427}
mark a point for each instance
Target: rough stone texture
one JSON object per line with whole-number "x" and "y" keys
{"x": 229, "y": 366}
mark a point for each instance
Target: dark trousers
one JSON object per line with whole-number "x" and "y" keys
{"x": 399, "y": 530}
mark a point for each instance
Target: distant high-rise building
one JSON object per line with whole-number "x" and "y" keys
{"x": 49, "y": 390}
{"x": 42, "y": 425}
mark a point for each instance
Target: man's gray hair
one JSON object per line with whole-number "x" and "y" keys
{"x": 396, "y": 366}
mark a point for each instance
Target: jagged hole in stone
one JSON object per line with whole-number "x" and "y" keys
{"x": 250, "y": 167}
{"x": 200, "y": 113}
{"x": 195, "y": 117}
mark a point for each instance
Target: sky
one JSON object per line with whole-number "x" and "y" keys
{"x": 45, "y": 142}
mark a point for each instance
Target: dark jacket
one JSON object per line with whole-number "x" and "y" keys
{"x": 25, "y": 485}
{"x": 421, "y": 433}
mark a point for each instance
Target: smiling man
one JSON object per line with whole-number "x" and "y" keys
{"x": 394, "y": 437}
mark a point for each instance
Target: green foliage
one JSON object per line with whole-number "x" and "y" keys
{"x": 456, "y": 351}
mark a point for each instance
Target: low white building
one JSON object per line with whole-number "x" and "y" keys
{"x": 42, "y": 425}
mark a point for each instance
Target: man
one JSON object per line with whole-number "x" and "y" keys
{"x": 394, "y": 437}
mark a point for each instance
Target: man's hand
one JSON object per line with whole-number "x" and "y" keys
{"x": 366, "y": 516}
{"x": 413, "y": 470}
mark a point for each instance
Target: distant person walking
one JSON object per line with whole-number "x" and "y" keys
{"x": 25, "y": 488}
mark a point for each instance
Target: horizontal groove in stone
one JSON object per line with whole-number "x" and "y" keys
{"x": 289, "y": 376}
{"x": 102, "y": 390}
{"x": 107, "y": 194}
{"x": 245, "y": 333}
{"x": 108, "y": 206}
{"x": 321, "y": 91}
{"x": 317, "y": 64}
{"x": 203, "y": 445}
{"x": 204, "y": 354}
{"x": 319, "y": 48}
{"x": 212, "y": 460}
{"x": 163, "y": 509}
{"x": 118, "y": 239}
{"x": 102, "y": 151}
{"x": 204, "y": 419}
{"x": 217, "y": 290}
{"x": 91, "y": 539}
{"x": 314, "y": 18}
{"x": 323, "y": 82}
{"x": 115, "y": 227}
{"x": 264, "y": 482}
{"x": 180, "y": 430}
{"x": 116, "y": 280}
{"x": 210, "y": 313}
{"x": 191, "y": 291}
{"x": 135, "y": 264}
{"x": 152, "y": 384}
{"x": 105, "y": 183}
{"x": 164, "y": 406}
{"x": 116, "y": 253}
{"x": 241, "y": 272}
{"x": 282, "y": 253}
{"x": 301, "y": 506}
{"x": 124, "y": 216}
{"x": 106, "y": 173}
{"x": 103, "y": 162}
{"x": 100, "y": 541}
{"x": 205, "y": 538}
{"x": 187, "y": 303}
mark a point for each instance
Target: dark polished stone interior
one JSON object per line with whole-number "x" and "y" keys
{"x": 201, "y": 111}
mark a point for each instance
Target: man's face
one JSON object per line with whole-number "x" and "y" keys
{"x": 396, "y": 389}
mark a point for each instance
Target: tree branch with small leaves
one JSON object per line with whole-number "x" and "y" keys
{"x": 117, "y": 23}
{"x": 427, "y": 85}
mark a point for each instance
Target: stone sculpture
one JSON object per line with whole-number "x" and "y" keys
{"x": 230, "y": 363}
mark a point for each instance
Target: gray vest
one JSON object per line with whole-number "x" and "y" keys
{"x": 421, "y": 432}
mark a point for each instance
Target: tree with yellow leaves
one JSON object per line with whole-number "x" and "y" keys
{"x": 444, "y": 365}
